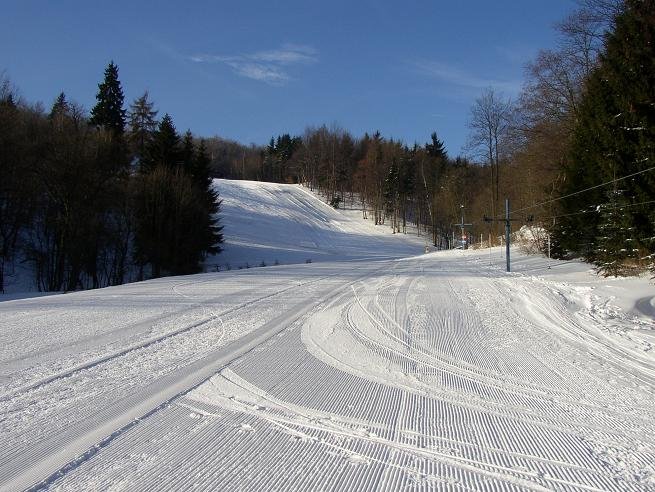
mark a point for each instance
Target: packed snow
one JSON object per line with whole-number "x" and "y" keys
{"x": 374, "y": 367}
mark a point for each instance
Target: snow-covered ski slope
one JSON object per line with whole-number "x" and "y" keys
{"x": 273, "y": 223}
{"x": 429, "y": 372}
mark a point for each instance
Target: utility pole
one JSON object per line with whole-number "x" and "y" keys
{"x": 508, "y": 230}
{"x": 462, "y": 225}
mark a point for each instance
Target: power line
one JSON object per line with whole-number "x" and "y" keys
{"x": 595, "y": 210}
{"x": 584, "y": 191}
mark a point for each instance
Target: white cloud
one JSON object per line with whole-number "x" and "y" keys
{"x": 457, "y": 77}
{"x": 265, "y": 73}
{"x": 207, "y": 58}
{"x": 287, "y": 55}
{"x": 266, "y": 66}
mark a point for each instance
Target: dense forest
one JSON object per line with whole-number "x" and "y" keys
{"x": 574, "y": 153}
{"x": 90, "y": 200}
{"x": 97, "y": 199}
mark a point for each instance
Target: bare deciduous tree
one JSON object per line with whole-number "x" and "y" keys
{"x": 556, "y": 77}
{"x": 490, "y": 129}
{"x": 548, "y": 106}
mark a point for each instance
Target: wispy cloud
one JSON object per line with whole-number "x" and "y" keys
{"x": 455, "y": 76}
{"x": 268, "y": 66}
{"x": 287, "y": 55}
{"x": 517, "y": 55}
{"x": 255, "y": 71}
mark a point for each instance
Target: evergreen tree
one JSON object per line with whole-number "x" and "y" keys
{"x": 615, "y": 245}
{"x": 201, "y": 166}
{"x": 187, "y": 153}
{"x": 211, "y": 230}
{"x": 108, "y": 113}
{"x": 176, "y": 207}
{"x": 60, "y": 106}
{"x": 284, "y": 150}
{"x": 575, "y": 232}
{"x": 436, "y": 148}
{"x": 270, "y": 161}
{"x": 629, "y": 68}
{"x": 142, "y": 124}
{"x": 164, "y": 148}
{"x": 197, "y": 166}
{"x": 432, "y": 175}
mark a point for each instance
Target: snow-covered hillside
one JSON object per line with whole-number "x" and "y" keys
{"x": 397, "y": 372}
{"x": 273, "y": 223}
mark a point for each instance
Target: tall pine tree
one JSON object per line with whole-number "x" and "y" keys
{"x": 212, "y": 234}
{"x": 143, "y": 124}
{"x": 60, "y": 106}
{"x": 108, "y": 116}
{"x": 108, "y": 113}
{"x": 629, "y": 65}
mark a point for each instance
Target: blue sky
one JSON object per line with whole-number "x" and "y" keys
{"x": 247, "y": 70}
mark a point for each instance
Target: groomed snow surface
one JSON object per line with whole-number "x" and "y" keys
{"x": 378, "y": 368}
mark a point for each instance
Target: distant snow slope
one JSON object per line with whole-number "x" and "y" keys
{"x": 269, "y": 222}
{"x": 428, "y": 372}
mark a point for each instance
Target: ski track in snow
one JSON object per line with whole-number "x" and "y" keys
{"x": 427, "y": 373}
